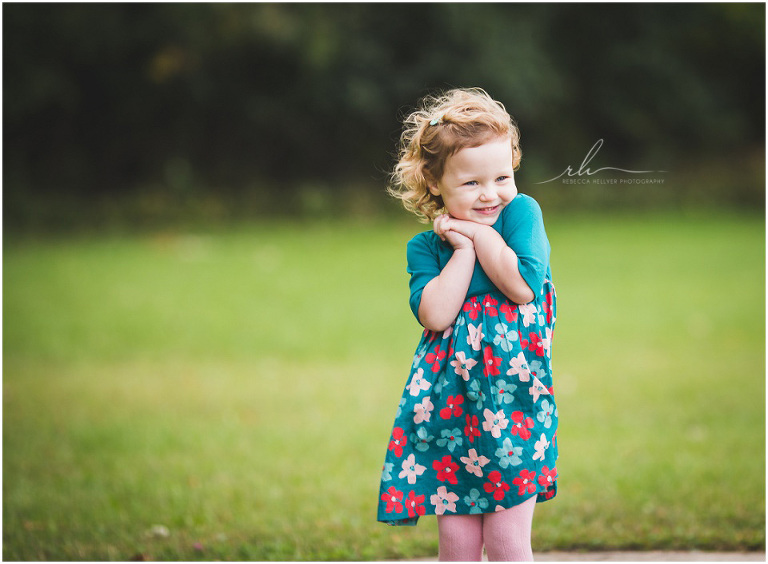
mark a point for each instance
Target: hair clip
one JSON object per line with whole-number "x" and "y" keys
{"x": 435, "y": 121}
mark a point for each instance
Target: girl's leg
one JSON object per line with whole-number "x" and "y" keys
{"x": 507, "y": 533}
{"x": 461, "y": 538}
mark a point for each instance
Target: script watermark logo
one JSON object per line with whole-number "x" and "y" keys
{"x": 584, "y": 171}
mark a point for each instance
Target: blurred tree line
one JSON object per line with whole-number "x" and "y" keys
{"x": 218, "y": 110}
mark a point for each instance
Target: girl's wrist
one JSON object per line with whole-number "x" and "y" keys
{"x": 469, "y": 250}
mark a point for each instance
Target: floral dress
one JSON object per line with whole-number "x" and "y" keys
{"x": 475, "y": 430}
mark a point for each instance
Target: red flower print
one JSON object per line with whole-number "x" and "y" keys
{"x": 547, "y": 305}
{"x": 473, "y": 308}
{"x": 446, "y": 469}
{"x": 435, "y": 358}
{"x": 496, "y": 485}
{"x": 510, "y": 312}
{"x": 488, "y": 304}
{"x": 414, "y": 504}
{"x": 471, "y": 430}
{"x": 533, "y": 343}
{"x": 453, "y": 408}
{"x": 393, "y": 499}
{"x": 526, "y": 482}
{"x": 490, "y": 363}
{"x": 398, "y": 441}
{"x": 548, "y": 477}
{"x": 521, "y": 425}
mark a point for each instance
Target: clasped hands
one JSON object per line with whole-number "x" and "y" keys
{"x": 460, "y": 233}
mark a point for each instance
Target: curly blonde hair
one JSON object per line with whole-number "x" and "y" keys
{"x": 442, "y": 125}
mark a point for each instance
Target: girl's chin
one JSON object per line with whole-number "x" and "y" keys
{"x": 486, "y": 215}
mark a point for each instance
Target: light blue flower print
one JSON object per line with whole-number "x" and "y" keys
{"x": 508, "y": 454}
{"x": 475, "y": 394}
{"x": 505, "y": 336}
{"x": 450, "y": 439}
{"x": 439, "y": 386}
{"x": 422, "y": 439}
{"x": 385, "y": 473}
{"x": 535, "y": 368}
{"x": 503, "y": 392}
{"x": 459, "y": 321}
{"x": 476, "y": 503}
{"x": 545, "y": 415}
{"x": 400, "y": 407}
{"x": 421, "y": 352}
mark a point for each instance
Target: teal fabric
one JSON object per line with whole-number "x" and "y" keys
{"x": 521, "y": 226}
{"x": 476, "y": 427}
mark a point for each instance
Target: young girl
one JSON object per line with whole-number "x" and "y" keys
{"x": 474, "y": 436}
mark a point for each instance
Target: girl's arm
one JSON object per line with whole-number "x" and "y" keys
{"x": 444, "y": 295}
{"x": 498, "y": 260}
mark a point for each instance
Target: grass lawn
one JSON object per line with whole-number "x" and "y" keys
{"x": 238, "y": 388}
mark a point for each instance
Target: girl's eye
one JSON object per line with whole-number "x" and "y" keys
{"x": 471, "y": 183}
{"x": 501, "y": 178}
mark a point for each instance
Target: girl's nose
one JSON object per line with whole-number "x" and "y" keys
{"x": 488, "y": 192}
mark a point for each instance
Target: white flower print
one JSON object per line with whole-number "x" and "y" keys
{"x": 519, "y": 368}
{"x": 528, "y": 313}
{"x": 462, "y": 365}
{"x": 474, "y": 463}
{"x": 444, "y": 500}
{"x": 411, "y": 469}
{"x": 418, "y": 383}
{"x": 475, "y": 336}
{"x": 447, "y": 332}
{"x": 538, "y": 389}
{"x": 546, "y": 342}
{"x": 541, "y": 445}
{"x": 494, "y": 422}
{"x": 423, "y": 411}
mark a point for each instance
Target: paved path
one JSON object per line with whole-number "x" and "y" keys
{"x": 650, "y": 556}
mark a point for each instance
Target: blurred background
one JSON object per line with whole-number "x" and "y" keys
{"x": 145, "y": 113}
{"x": 205, "y": 320}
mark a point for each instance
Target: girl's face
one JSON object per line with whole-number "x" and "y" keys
{"x": 478, "y": 182}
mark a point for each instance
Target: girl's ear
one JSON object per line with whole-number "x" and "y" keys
{"x": 432, "y": 185}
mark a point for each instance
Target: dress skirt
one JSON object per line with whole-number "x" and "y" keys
{"x": 475, "y": 431}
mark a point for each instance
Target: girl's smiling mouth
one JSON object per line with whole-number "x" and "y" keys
{"x": 489, "y": 210}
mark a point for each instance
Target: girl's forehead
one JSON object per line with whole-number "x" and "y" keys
{"x": 496, "y": 152}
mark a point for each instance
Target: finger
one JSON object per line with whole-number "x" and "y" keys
{"x": 439, "y": 225}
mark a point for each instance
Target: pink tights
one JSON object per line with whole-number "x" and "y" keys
{"x": 505, "y": 534}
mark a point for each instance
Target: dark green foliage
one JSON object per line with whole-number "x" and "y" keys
{"x": 254, "y": 106}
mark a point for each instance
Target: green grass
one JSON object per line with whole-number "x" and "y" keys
{"x": 238, "y": 387}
